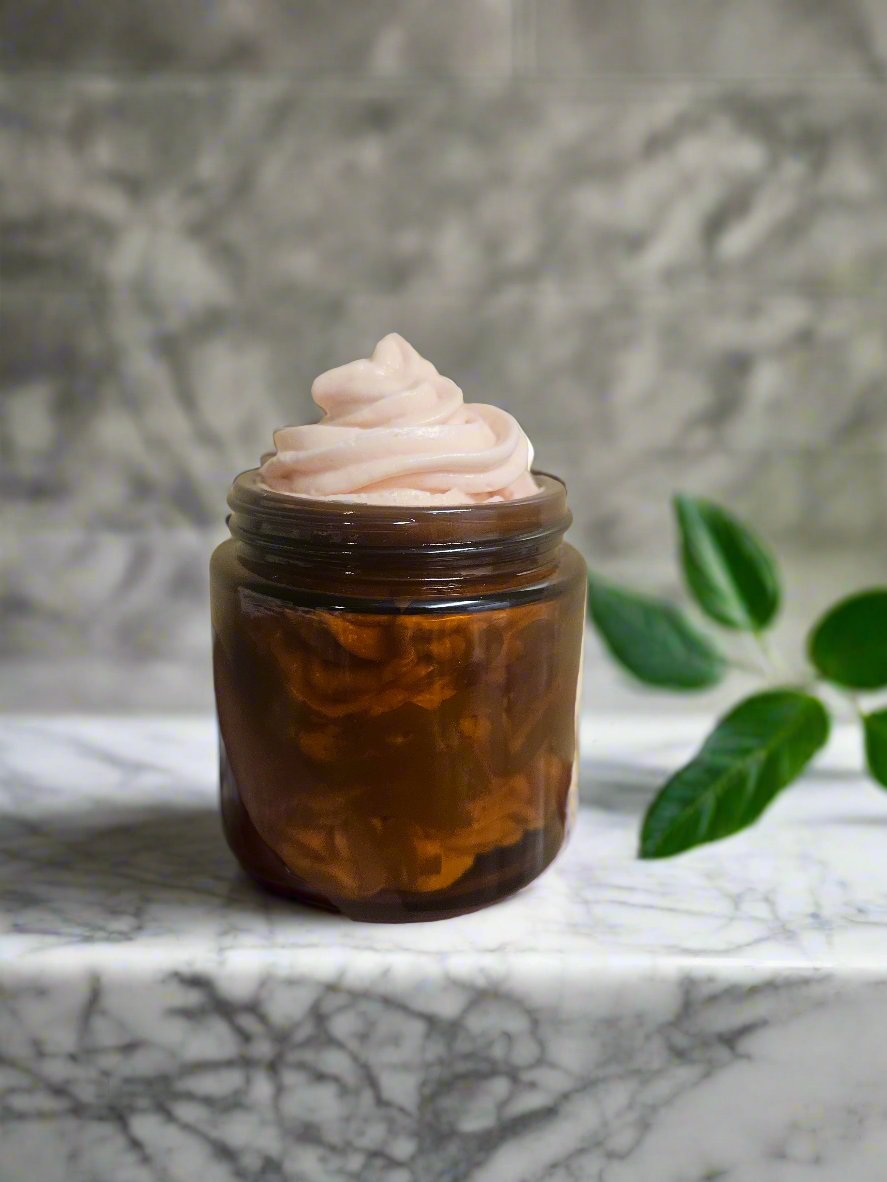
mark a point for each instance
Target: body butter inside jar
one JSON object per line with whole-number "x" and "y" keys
{"x": 397, "y": 696}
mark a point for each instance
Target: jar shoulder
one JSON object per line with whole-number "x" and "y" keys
{"x": 572, "y": 562}
{"x": 223, "y": 559}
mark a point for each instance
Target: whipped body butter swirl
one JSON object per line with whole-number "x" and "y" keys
{"x": 396, "y": 432}
{"x": 397, "y": 632}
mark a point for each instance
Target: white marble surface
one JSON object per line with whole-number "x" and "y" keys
{"x": 720, "y": 1016}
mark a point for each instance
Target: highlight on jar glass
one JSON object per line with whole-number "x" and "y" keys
{"x": 397, "y": 633}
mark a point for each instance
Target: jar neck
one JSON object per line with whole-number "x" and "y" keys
{"x": 319, "y": 541}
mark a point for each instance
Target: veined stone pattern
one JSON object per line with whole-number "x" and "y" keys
{"x": 656, "y": 230}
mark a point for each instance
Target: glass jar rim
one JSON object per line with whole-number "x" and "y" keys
{"x": 275, "y": 520}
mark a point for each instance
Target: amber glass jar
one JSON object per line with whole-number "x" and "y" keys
{"x": 397, "y": 697}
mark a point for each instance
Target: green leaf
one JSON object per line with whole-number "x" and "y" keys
{"x": 754, "y": 752}
{"x": 730, "y": 573}
{"x": 849, "y": 644}
{"x": 876, "y": 744}
{"x": 652, "y": 638}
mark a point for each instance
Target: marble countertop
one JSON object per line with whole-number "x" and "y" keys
{"x": 718, "y": 1016}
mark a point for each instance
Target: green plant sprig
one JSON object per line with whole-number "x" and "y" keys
{"x": 764, "y": 743}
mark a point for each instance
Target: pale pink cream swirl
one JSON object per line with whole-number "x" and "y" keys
{"x": 396, "y": 432}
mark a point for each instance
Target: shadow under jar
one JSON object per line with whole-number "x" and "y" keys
{"x": 397, "y": 696}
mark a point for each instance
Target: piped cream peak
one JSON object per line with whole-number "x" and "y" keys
{"x": 396, "y": 432}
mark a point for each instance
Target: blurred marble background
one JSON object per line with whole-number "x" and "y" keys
{"x": 655, "y": 229}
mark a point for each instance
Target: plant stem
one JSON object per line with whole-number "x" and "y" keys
{"x": 843, "y": 695}
{"x": 745, "y": 666}
{"x": 853, "y": 702}
{"x": 757, "y": 650}
{"x": 776, "y": 667}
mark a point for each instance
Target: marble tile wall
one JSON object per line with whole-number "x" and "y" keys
{"x": 657, "y": 229}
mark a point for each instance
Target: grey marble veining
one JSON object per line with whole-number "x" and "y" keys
{"x": 738, "y": 39}
{"x": 229, "y": 190}
{"x": 362, "y": 37}
{"x": 718, "y": 1016}
{"x": 657, "y": 231}
{"x": 204, "y": 250}
{"x": 743, "y": 40}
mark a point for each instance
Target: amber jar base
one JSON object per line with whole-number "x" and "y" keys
{"x": 397, "y": 698}
{"x": 494, "y": 876}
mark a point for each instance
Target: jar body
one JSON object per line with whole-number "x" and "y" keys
{"x": 396, "y": 760}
